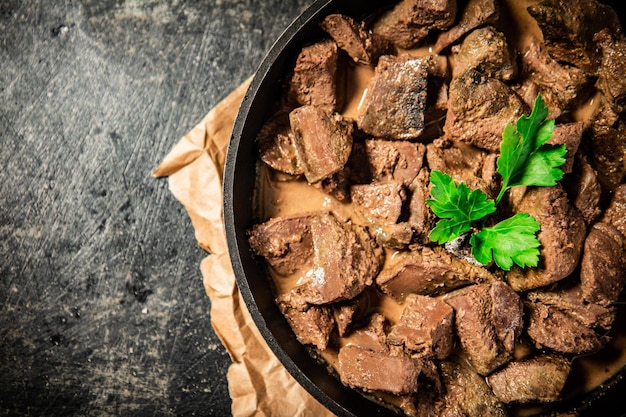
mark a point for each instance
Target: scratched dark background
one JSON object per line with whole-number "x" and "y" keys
{"x": 102, "y": 309}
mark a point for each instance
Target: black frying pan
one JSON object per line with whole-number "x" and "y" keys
{"x": 239, "y": 181}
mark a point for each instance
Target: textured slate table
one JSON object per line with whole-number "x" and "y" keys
{"x": 102, "y": 308}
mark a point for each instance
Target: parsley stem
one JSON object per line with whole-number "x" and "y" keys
{"x": 500, "y": 195}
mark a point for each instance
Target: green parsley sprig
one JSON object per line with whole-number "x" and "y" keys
{"x": 525, "y": 159}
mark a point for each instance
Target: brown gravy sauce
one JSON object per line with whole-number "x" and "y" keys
{"x": 278, "y": 196}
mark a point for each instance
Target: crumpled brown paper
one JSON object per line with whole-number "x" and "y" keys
{"x": 258, "y": 383}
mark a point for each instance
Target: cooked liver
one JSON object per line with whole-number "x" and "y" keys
{"x": 570, "y": 135}
{"x": 479, "y": 108}
{"x": 475, "y": 14}
{"x": 563, "y": 323}
{"x": 421, "y": 218}
{"x": 568, "y": 28}
{"x": 394, "y": 105}
{"x": 318, "y": 77}
{"x": 613, "y": 65}
{"x": 410, "y": 21}
{"x": 584, "y": 189}
{"x": 538, "y": 379}
{"x": 615, "y": 213}
{"x": 393, "y": 236}
{"x": 336, "y": 185}
{"x": 507, "y": 314}
{"x": 323, "y": 141}
{"x": 606, "y": 153}
{"x": 276, "y": 146}
{"x": 426, "y": 327}
{"x": 571, "y": 301}
{"x": 355, "y": 39}
{"x": 376, "y": 160}
{"x": 378, "y": 371}
{"x": 421, "y": 326}
{"x": 373, "y": 335}
{"x": 379, "y": 202}
{"x": 285, "y": 243}
{"x": 431, "y": 271}
{"x": 467, "y": 393}
{"x": 602, "y": 273}
{"x": 348, "y": 313}
{"x": 464, "y": 163}
{"x": 562, "y": 234}
{"x": 336, "y": 259}
{"x": 485, "y": 50}
{"x": 311, "y": 326}
{"x": 562, "y": 86}
{"x": 438, "y": 81}
{"x": 475, "y": 323}
{"x": 346, "y": 260}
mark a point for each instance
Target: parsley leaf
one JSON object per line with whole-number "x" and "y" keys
{"x": 456, "y": 206}
{"x": 524, "y": 158}
{"x": 511, "y": 241}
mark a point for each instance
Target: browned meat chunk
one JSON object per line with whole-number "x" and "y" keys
{"x": 346, "y": 260}
{"x": 607, "y": 153}
{"x": 467, "y": 393}
{"x": 323, "y": 141}
{"x": 562, "y": 234}
{"x": 611, "y": 81}
{"x": 464, "y": 163}
{"x": 562, "y": 87}
{"x": 294, "y": 297}
{"x": 569, "y": 134}
{"x": 475, "y": 14}
{"x": 276, "y": 146}
{"x": 409, "y": 21}
{"x": 393, "y": 236}
{"x": 438, "y": 81}
{"x": 372, "y": 336}
{"x": 393, "y": 107}
{"x": 475, "y": 317}
{"x": 584, "y": 189}
{"x": 479, "y": 108}
{"x": 337, "y": 261}
{"x": 568, "y": 28}
{"x": 311, "y": 326}
{"x": 285, "y": 243}
{"x": 538, "y": 379}
{"x": 378, "y": 202}
{"x": 615, "y": 213}
{"x": 487, "y": 51}
{"x": 605, "y": 113}
{"x": 347, "y": 313}
{"x": 562, "y": 322}
{"x": 336, "y": 185}
{"x": 428, "y": 272}
{"x": 507, "y": 313}
{"x": 425, "y": 327}
{"x": 570, "y": 300}
{"x": 318, "y": 77}
{"x": 378, "y": 371}
{"x": 353, "y": 37}
{"x": 378, "y": 160}
{"x": 421, "y": 218}
{"x": 344, "y": 316}
{"x": 602, "y": 274}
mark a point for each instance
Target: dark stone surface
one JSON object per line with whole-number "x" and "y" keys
{"x": 102, "y": 308}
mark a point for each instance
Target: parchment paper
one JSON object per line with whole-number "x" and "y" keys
{"x": 258, "y": 383}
